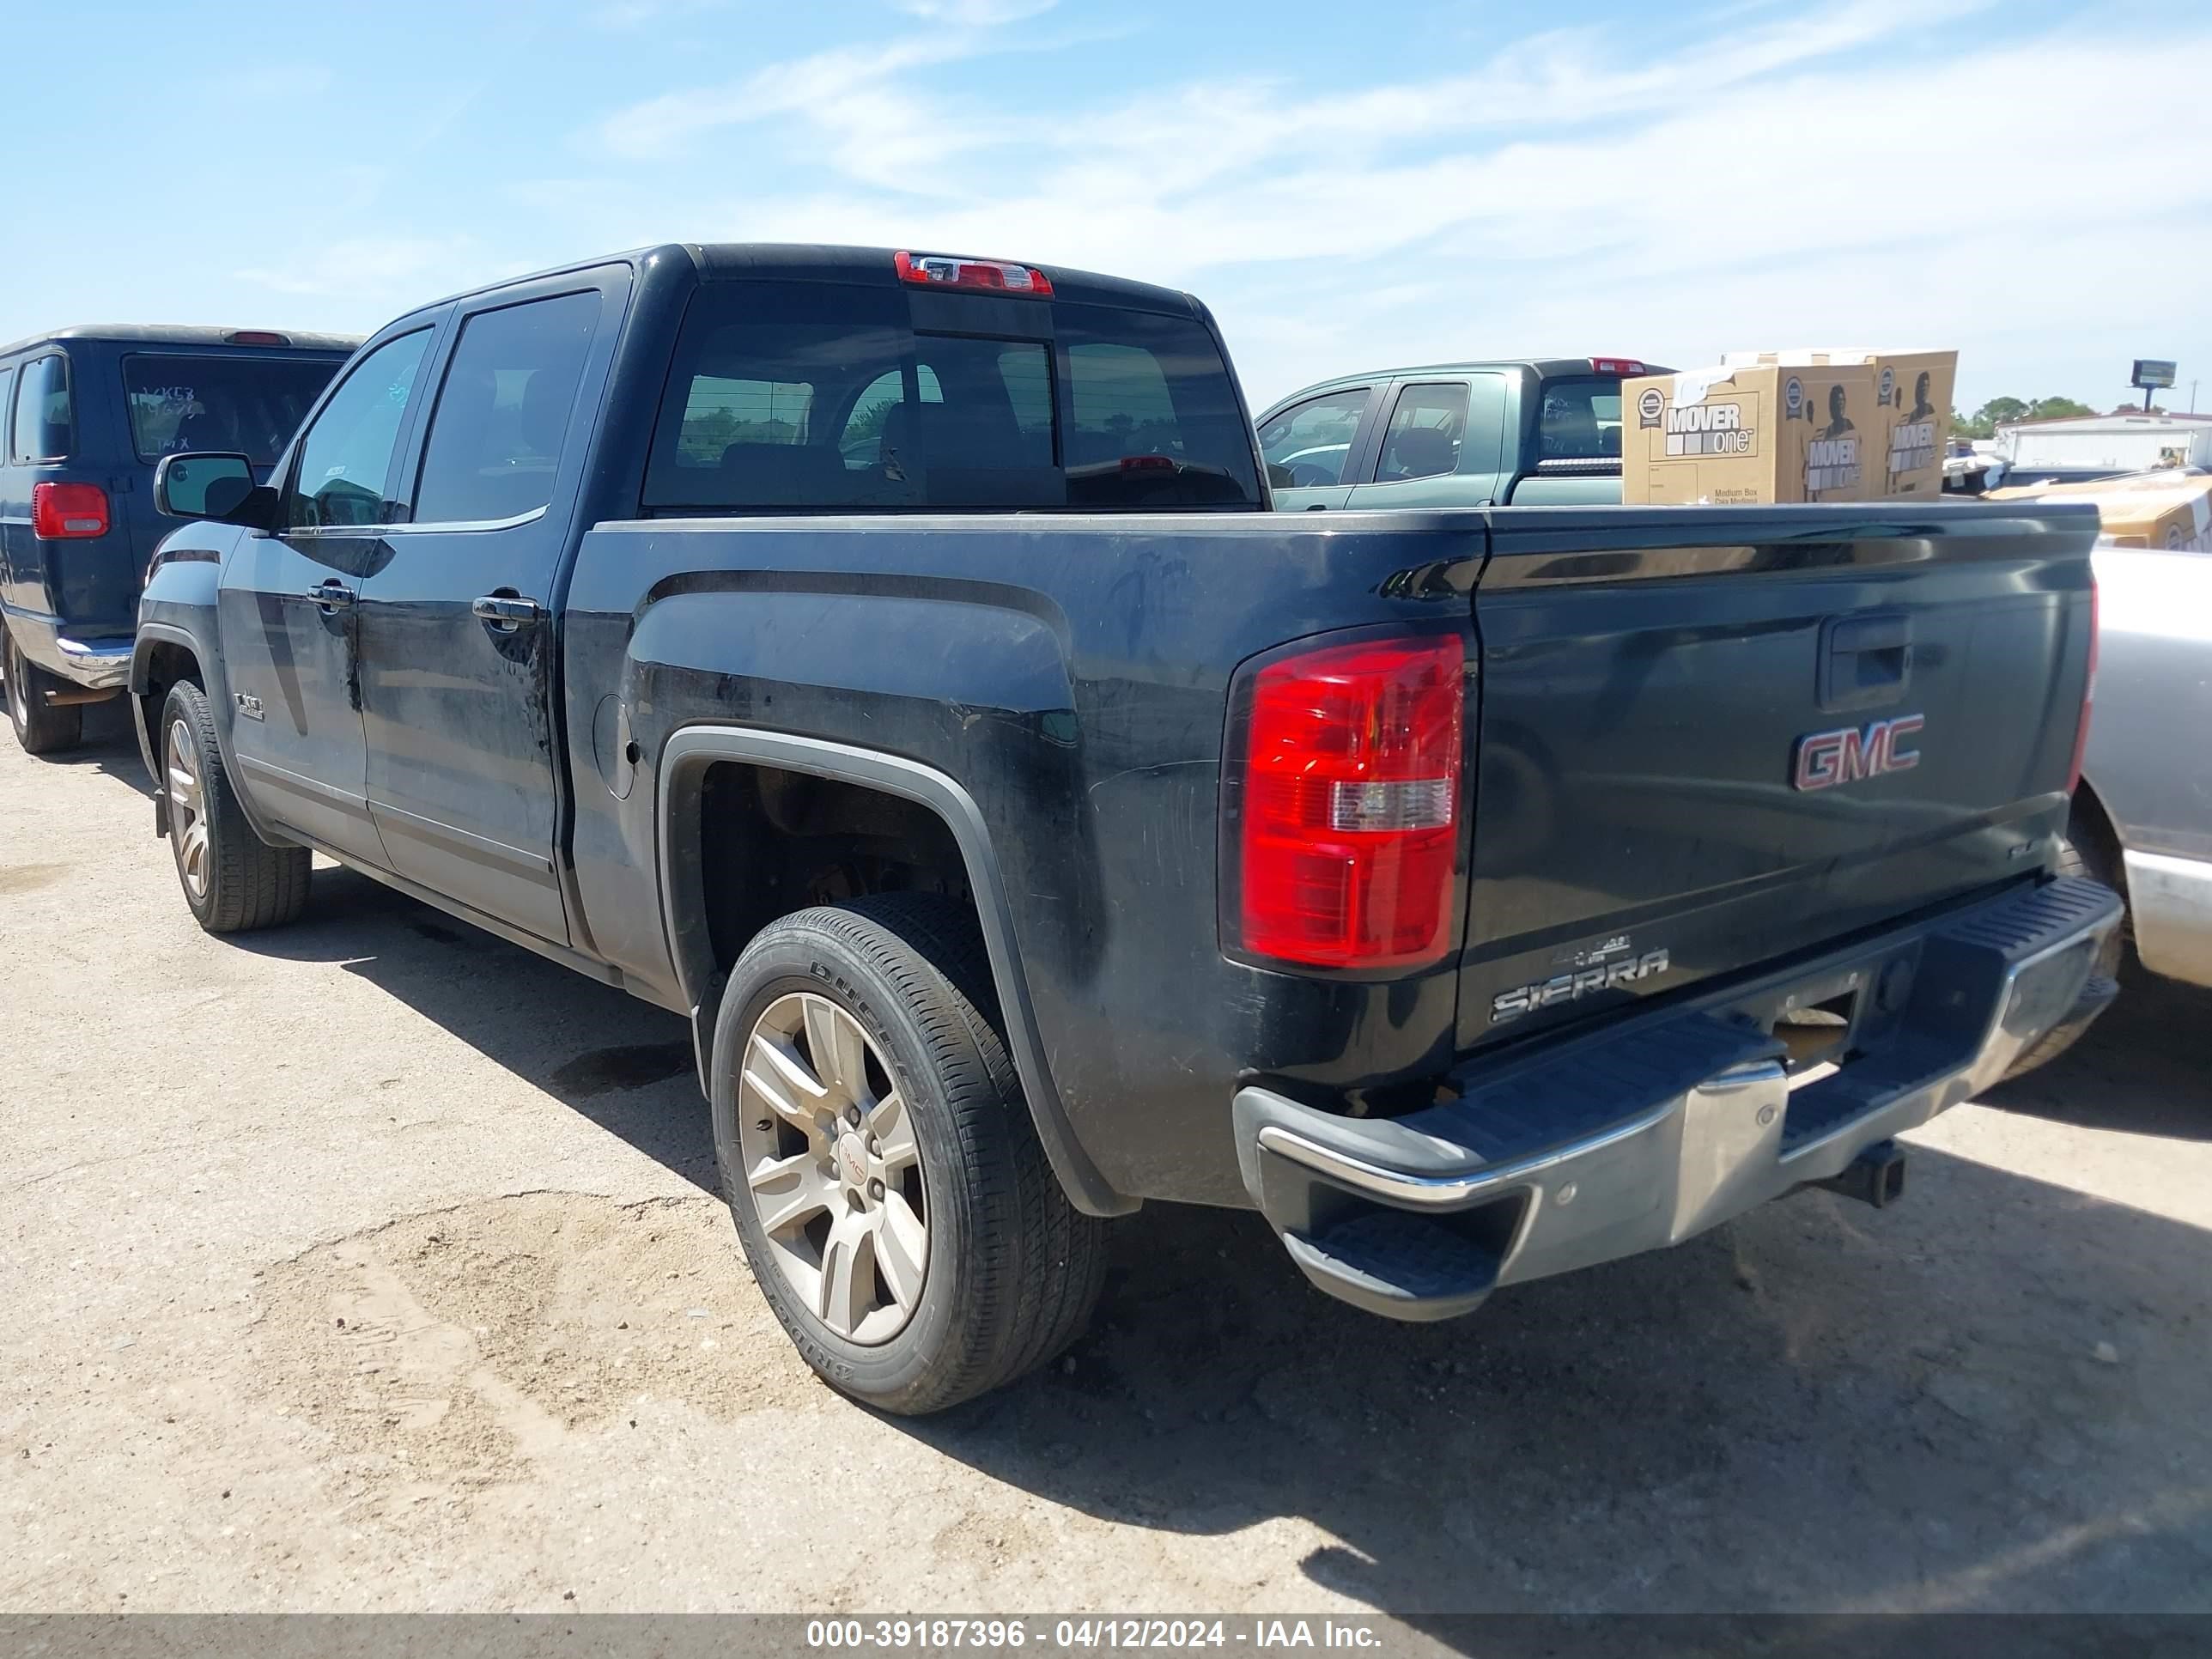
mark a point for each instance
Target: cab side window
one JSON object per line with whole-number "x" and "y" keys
{"x": 1310, "y": 443}
{"x": 502, "y": 415}
{"x": 346, "y": 455}
{"x": 42, "y": 411}
{"x": 1424, "y": 437}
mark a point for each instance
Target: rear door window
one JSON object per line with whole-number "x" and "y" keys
{"x": 503, "y": 413}
{"x": 242, "y": 405}
{"x": 787, "y": 396}
{"x": 1580, "y": 421}
{"x": 41, "y": 427}
{"x": 1309, "y": 444}
{"x": 1428, "y": 424}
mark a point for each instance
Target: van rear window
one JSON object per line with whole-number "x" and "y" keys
{"x": 222, "y": 401}
{"x": 43, "y": 416}
{"x": 789, "y": 396}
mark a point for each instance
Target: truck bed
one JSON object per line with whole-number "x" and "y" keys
{"x": 1641, "y": 680}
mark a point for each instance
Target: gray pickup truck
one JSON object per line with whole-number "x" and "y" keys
{"x": 1530, "y": 432}
{"x": 887, "y": 663}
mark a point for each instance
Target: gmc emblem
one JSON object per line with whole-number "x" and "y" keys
{"x": 1826, "y": 759}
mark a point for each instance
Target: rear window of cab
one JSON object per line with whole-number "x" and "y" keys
{"x": 809, "y": 395}
{"x": 1580, "y": 421}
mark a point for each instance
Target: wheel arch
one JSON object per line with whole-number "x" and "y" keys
{"x": 162, "y": 654}
{"x": 692, "y": 751}
{"x": 2089, "y": 812}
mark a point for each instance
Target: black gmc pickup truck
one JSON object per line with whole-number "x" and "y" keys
{"x": 889, "y": 663}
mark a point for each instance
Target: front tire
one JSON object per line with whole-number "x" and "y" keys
{"x": 880, "y": 1161}
{"x": 41, "y": 727}
{"x": 233, "y": 880}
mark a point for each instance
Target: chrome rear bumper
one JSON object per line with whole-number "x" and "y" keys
{"x": 1651, "y": 1130}
{"x": 98, "y": 665}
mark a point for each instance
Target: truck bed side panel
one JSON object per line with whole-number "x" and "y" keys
{"x": 1070, "y": 673}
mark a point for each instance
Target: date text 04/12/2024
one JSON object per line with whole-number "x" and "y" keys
{"x": 1003, "y": 1634}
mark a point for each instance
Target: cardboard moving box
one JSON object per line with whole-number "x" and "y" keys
{"x": 1912, "y": 404}
{"x": 1752, "y": 434}
{"x": 2170, "y": 508}
{"x": 1912, "y": 394}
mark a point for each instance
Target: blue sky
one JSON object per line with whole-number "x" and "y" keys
{"x": 1349, "y": 187}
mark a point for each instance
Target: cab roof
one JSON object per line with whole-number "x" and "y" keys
{"x": 1547, "y": 368}
{"x": 835, "y": 263}
{"x": 186, "y": 334}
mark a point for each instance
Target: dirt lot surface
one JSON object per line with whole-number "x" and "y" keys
{"x": 372, "y": 1264}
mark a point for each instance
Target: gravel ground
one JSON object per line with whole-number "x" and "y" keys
{"x": 371, "y": 1264}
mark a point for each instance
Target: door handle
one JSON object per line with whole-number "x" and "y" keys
{"x": 507, "y": 612}
{"x": 331, "y": 595}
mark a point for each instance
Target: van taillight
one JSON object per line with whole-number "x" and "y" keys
{"x": 2088, "y": 695}
{"x": 1348, "y": 814}
{"x": 66, "y": 511}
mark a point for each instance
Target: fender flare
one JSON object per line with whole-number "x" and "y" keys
{"x": 149, "y": 635}
{"x": 216, "y": 685}
{"x": 684, "y": 762}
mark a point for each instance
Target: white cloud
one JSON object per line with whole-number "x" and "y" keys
{"x": 1799, "y": 180}
{"x": 849, "y": 91}
{"x": 973, "y": 13}
{"x": 397, "y": 270}
{"x": 1776, "y": 180}
{"x": 638, "y": 13}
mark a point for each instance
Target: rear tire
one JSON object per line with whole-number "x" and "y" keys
{"x": 916, "y": 1137}
{"x": 234, "y": 881}
{"x": 2081, "y": 853}
{"x": 42, "y": 728}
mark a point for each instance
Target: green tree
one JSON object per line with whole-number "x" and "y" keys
{"x": 2005, "y": 411}
{"x": 2138, "y": 408}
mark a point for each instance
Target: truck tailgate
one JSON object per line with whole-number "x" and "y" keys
{"x": 1720, "y": 737}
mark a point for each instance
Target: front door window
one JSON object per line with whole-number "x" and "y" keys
{"x": 346, "y": 455}
{"x": 1310, "y": 445}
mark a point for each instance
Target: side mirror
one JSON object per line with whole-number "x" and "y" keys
{"x": 213, "y": 485}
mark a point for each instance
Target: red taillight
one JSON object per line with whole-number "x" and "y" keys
{"x": 1622, "y": 366}
{"x": 2088, "y": 695}
{"x": 1348, "y": 833}
{"x": 261, "y": 336}
{"x": 990, "y": 275}
{"x": 66, "y": 511}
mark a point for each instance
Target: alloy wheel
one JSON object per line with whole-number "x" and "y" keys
{"x": 188, "y": 827}
{"x": 833, "y": 1167}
